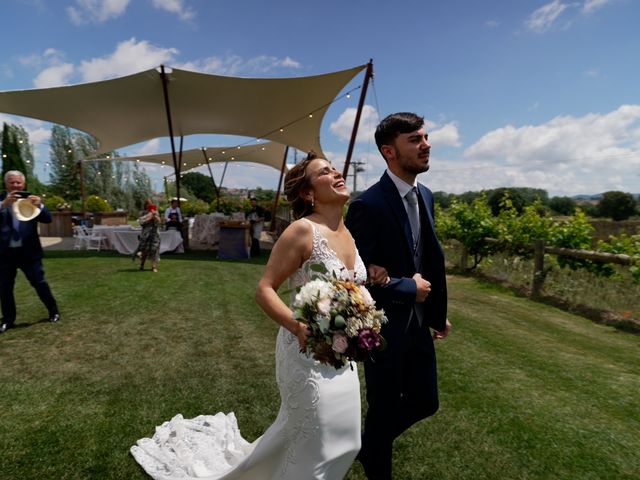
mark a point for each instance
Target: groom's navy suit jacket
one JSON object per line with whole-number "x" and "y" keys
{"x": 31, "y": 247}
{"x": 379, "y": 223}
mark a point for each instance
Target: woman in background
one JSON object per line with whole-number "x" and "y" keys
{"x": 149, "y": 245}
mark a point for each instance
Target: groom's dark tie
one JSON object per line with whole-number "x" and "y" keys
{"x": 414, "y": 214}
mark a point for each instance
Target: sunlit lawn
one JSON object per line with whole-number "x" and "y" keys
{"x": 527, "y": 391}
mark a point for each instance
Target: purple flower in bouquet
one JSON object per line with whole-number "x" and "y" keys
{"x": 368, "y": 339}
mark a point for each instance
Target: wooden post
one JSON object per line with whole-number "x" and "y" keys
{"x": 464, "y": 258}
{"x": 538, "y": 269}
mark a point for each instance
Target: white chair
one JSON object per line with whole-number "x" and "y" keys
{"x": 80, "y": 238}
{"x": 95, "y": 241}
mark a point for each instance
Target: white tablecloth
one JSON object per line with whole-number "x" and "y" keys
{"x": 108, "y": 231}
{"x": 127, "y": 241}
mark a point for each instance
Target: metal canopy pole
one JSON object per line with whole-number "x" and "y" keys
{"x": 367, "y": 76}
{"x": 165, "y": 91}
{"x": 215, "y": 188}
{"x": 82, "y": 193}
{"x": 274, "y": 210}
{"x": 224, "y": 170}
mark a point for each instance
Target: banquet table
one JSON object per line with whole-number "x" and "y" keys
{"x": 126, "y": 241}
{"x": 108, "y": 231}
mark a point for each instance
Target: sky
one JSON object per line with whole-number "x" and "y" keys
{"x": 530, "y": 93}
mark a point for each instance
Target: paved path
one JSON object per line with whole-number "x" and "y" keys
{"x": 66, "y": 243}
{"x": 57, "y": 243}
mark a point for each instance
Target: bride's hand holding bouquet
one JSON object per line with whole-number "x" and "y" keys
{"x": 342, "y": 321}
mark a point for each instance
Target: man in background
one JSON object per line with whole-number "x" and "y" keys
{"x": 173, "y": 216}
{"x": 256, "y": 219}
{"x": 20, "y": 248}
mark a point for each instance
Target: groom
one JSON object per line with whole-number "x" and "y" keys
{"x": 392, "y": 223}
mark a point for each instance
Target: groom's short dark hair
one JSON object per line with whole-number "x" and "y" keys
{"x": 393, "y": 125}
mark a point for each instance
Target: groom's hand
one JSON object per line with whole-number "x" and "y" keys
{"x": 423, "y": 287}
{"x": 444, "y": 333}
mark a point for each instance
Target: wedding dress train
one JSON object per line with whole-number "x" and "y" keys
{"x": 316, "y": 434}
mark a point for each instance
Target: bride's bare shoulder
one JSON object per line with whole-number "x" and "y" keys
{"x": 298, "y": 236}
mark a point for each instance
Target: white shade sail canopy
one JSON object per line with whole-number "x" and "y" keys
{"x": 132, "y": 109}
{"x": 265, "y": 153}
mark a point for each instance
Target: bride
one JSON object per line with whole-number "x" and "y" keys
{"x": 316, "y": 434}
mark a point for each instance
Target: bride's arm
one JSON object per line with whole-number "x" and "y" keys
{"x": 288, "y": 253}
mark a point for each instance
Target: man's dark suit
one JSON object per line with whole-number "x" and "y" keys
{"x": 27, "y": 258}
{"x": 401, "y": 380}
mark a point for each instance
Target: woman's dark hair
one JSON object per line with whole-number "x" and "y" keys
{"x": 296, "y": 183}
{"x": 395, "y": 124}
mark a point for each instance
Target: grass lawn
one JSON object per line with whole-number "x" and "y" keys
{"x": 527, "y": 391}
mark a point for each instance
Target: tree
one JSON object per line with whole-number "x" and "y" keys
{"x": 617, "y": 205}
{"x": 443, "y": 199}
{"x": 64, "y": 176}
{"x": 497, "y": 197}
{"x": 11, "y": 154}
{"x": 201, "y": 186}
{"x": 139, "y": 186}
{"x": 562, "y": 205}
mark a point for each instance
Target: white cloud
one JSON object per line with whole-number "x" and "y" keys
{"x": 129, "y": 57}
{"x": 132, "y": 56}
{"x": 542, "y": 19}
{"x": 96, "y": 11}
{"x": 343, "y": 126}
{"x": 568, "y": 154}
{"x": 175, "y": 6}
{"x": 54, "y": 76}
{"x": 148, "y": 148}
{"x": 593, "y": 5}
{"x": 439, "y": 135}
{"x": 234, "y": 65}
{"x": 445, "y": 135}
{"x": 492, "y": 23}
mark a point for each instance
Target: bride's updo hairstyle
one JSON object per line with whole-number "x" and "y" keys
{"x": 297, "y": 184}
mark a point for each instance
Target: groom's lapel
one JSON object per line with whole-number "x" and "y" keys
{"x": 396, "y": 204}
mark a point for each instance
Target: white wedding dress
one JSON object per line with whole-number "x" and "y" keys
{"x": 316, "y": 434}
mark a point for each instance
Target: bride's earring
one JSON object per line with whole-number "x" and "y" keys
{"x": 313, "y": 203}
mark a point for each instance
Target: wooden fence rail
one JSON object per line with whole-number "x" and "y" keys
{"x": 539, "y": 249}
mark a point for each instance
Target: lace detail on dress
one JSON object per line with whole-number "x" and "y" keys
{"x": 299, "y": 395}
{"x": 322, "y": 253}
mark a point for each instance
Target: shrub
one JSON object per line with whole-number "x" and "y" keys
{"x": 54, "y": 202}
{"x": 97, "y": 204}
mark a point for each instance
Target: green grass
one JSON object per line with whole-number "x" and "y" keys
{"x": 527, "y": 391}
{"x": 619, "y": 294}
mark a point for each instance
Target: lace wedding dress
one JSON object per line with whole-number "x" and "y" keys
{"x": 316, "y": 434}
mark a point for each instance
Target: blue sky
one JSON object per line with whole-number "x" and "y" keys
{"x": 529, "y": 93}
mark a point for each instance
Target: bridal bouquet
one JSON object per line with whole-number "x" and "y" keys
{"x": 342, "y": 318}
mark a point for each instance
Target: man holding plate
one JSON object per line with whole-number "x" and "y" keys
{"x": 20, "y": 247}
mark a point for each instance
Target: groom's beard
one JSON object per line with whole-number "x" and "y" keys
{"x": 410, "y": 164}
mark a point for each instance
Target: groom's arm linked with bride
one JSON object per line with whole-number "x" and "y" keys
{"x": 401, "y": 380}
